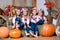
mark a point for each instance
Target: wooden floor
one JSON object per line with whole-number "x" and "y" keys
{"x": 31, "y": 38}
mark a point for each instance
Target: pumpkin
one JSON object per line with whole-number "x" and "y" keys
{"x": 47, "y": 30}
{"x": 4, "y": 31}
{"x": 15, "y": 33}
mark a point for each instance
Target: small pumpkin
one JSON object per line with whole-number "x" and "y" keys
{"x": 15, "y": 33}
{"x": 4, "y": 31}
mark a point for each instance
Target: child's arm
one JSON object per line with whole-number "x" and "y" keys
{"x": 13, "y": 22}
{"x": 28, "y": 21}
{"x": 15, "y": 26}
{"x": 28, "y": 25}
{"x": 45, "y": 21}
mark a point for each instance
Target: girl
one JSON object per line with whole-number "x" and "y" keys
{"x": 26, "y": 21}
{"x": 17, "y": 20}
{"x": 45, "y": 19}
{"x": 34, "y": 22}
{"x": 40, "y": 19}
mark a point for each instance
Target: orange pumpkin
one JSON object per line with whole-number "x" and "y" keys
{"x": 15, "y": 33}
{"x": 4, "y": 31}
{"x": 47, "y": 30}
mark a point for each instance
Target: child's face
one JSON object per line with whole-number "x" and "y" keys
{"x": 34, "y": 12}
{"x": 24, "y": 12}
{"x": 40, "y": 13}
{"x": 45, "y": 18}
{"x": 18, "y": 12}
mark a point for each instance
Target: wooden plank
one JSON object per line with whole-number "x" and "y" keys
{"x": 34, "y": 3}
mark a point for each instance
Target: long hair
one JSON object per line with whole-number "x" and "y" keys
{"x": 19, "y": 14}
{"x": 43, "y": 12}
{"x": 1, "y": 12}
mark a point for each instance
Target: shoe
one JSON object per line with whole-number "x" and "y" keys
{"x": 27, "y": 35}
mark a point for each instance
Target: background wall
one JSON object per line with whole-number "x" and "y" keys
{"x": 3, "y": 3}
{"x": 40, "y": 5}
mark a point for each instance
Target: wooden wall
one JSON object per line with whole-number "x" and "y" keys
{"x": 34, "y": 2}
{"x": 24, "y": 3}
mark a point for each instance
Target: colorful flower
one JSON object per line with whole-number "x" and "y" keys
{"x": 49, "y": 4}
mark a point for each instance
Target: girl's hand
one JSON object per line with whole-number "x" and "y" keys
{"x": 24, "y": 26}
{"x": 29, "y": 26}
{"x": 45, "y": 21}
{"x": 13, "y": 27}
{"x": 17, "y": 26}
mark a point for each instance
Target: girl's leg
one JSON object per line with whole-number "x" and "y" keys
{"x": 25, "y": 30}
{"x": 21, "y": 24}
{"x": 36, "y": 30}
{"x": 27, "y": 34}
{"x": 36, "y": 34}
{"x": 32, "y": 29}
{"x": 32, "y": 33}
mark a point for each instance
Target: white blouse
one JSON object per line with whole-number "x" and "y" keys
{"x": 25, "y": 20}
{"x": 33, "y": 19}
{"x": 13, "y": 19}
{"x": 36, "y": 18}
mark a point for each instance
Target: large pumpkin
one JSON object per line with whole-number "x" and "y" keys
{"x": 4, "y": 31}
{"x": 47, "y": 30}
{"x": 15, "y": 33}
